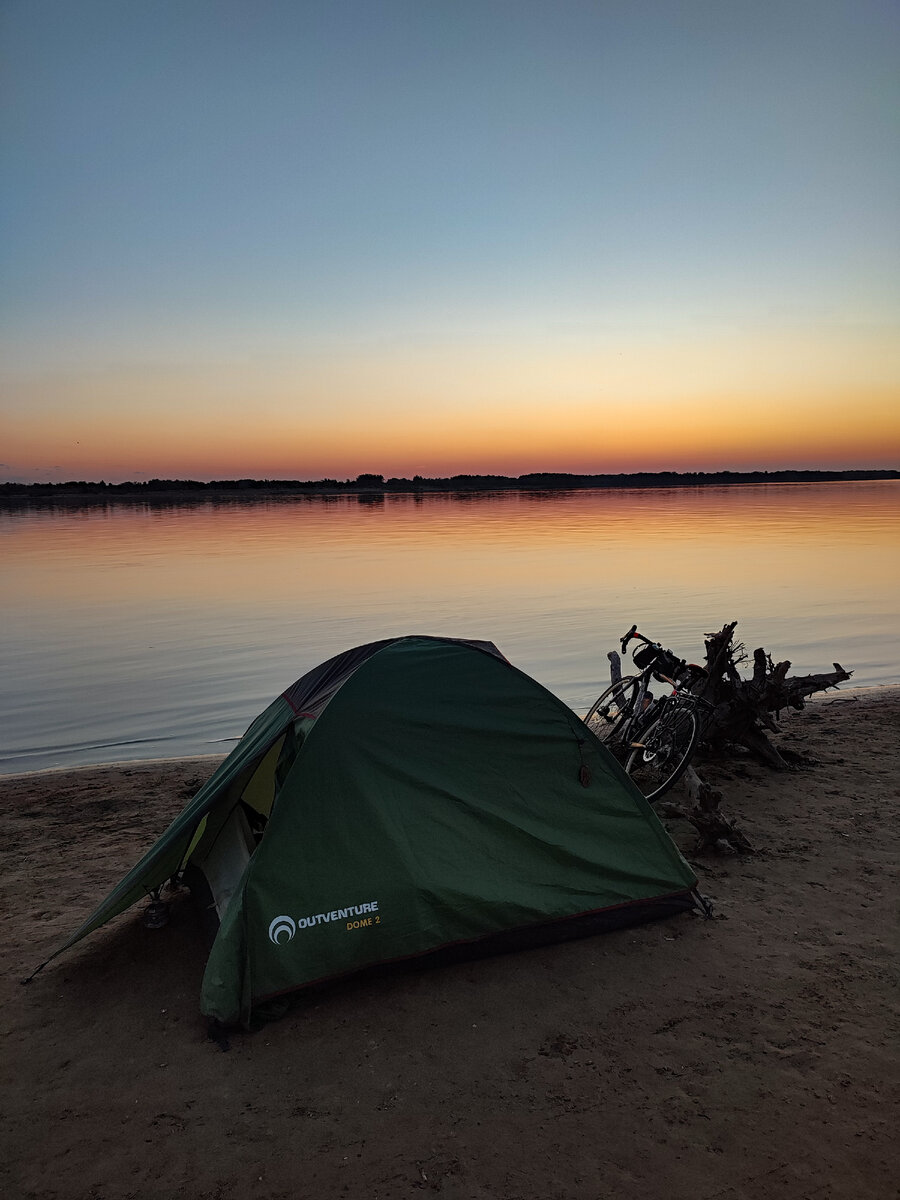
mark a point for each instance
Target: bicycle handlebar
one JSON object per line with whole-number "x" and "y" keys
{"x": 658, "y": 646}
{"x": 639, "y": 637}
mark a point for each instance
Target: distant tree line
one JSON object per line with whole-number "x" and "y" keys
{"x": 374, "y": 484}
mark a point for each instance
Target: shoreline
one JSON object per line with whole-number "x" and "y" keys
{"x": 857, "y": 692}
{"x": 177, "y": 760}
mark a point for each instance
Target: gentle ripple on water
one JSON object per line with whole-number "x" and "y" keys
{"x": 150, "y": 631}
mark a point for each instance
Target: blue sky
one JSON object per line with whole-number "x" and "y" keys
{"x": 346, "y": 215}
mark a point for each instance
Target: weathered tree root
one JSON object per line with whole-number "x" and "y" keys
{"x": 744, "y": 709}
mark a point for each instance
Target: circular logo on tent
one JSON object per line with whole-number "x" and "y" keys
{"x": 282, "y": 929}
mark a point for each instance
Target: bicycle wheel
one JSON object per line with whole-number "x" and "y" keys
{"x": 665, "y": 750}
{"x": 607, "y": 715}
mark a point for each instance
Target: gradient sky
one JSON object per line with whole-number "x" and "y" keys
{"x": 277, "y": 238}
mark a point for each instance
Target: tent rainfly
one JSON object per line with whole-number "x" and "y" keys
{"x": 418, "y": 797}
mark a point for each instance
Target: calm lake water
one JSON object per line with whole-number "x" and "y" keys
{"x": 157, "y": 631}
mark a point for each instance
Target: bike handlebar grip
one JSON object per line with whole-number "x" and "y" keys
{"x": 628, "y": 636}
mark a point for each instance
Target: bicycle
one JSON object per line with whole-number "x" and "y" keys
{"x": 652, "y": 736}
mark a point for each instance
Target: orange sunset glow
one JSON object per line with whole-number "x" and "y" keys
{"x": 681, "y": 409}
{"x": 591, "y": 241}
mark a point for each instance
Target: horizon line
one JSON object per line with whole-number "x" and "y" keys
{"x": 370, "y": 481}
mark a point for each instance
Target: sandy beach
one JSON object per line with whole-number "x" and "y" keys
{"x": 752, "y": 1055}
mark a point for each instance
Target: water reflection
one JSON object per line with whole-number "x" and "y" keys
{"x": 177, "y": 622}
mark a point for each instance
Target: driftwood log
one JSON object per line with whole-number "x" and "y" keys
{"x": 744, "y": 709}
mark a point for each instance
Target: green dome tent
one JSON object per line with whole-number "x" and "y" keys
{"x": 407, "y": 798}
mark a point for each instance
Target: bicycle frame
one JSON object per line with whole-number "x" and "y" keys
{"x": 653, "y": 737}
